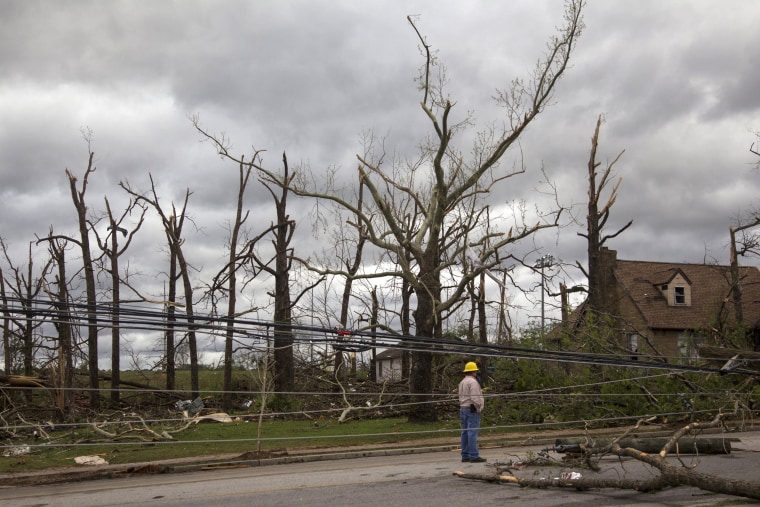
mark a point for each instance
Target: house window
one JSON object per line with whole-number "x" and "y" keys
{"x": 683, "y": 345}
{"x": 688, "y": 345}
{"x": 679, "y": 295}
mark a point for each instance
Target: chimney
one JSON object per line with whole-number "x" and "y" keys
{"x": 607, "y": 265}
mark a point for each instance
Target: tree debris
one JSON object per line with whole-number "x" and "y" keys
{"x": 670, "y": 475}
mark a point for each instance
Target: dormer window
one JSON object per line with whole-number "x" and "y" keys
{"x": 677, "y": 290}
{"x": 679, "y": 295}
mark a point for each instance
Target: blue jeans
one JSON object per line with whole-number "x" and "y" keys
{"x": 470, "y": 424}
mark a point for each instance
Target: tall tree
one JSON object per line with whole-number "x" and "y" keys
{"x": 445, "y": 181}
{"x": 173, "y": 229}
{"x": 113, "y": 250}
{"x": 596, "y": 219}
{"x": 747, "y": 243}
{"x": 352, "y": 267}
{"x": 282, "y": 230}
{"x": 226, "y": 280}
{"x": 284, "y": 367}
{"x": 78, "y": 198}
{"x": 173, "y": 223}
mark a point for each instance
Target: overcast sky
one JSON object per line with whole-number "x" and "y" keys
{"x": 676, "y": 81}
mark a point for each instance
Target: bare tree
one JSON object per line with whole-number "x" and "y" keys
{"x": 226, "y": 280}
{"x": 352, "y": 267}
{"x": 173, "y": 223}
{"x": 445, "y": 184}
{"x": 113, "y": 250}
{"x": 25, "y": 286}
{"x": 60, "y": 298}
{"x": 78, "y": 198}
{"x": 748, "y": 243}
{"x": 280, "y": 264}
{"x": 596, "y": 221}
{"x": 172, "y": 229}
{"x": 284, "y": 368}
{"x": 244, "y": 174}
{"x": 743, "y": 241}
{"x": 241, "y": 254}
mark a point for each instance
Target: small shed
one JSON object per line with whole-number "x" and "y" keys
{"x": 388, "y": 365}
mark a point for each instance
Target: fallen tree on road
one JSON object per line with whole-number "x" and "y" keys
{"x": 670, "y": 475}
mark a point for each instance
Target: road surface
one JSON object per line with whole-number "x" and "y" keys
{"x": 423, "y": 479}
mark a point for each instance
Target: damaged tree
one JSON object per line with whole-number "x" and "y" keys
{"x": 596, "y": 221}
{"x": 77, "y": 196}
{"x": 443, "y": 183}
{"x": 112, "y": 249}
{"x": 278, "y": 266}
{"x": 172, "y": 223}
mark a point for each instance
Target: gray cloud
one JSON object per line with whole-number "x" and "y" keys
{"x": 676, "y": 82}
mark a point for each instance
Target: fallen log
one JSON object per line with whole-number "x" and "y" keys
{"x": 23, "y": 381}
{"x": 650, "y": 445}
{"x": 643, "y": 485}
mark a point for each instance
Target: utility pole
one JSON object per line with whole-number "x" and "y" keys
{"x": 545, "y": 261}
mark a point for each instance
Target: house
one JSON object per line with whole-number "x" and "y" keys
{"x": 388, "y": 365}
{"x": 668, "y": 309}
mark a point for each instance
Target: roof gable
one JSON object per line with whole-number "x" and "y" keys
{"x": 388, "y": 354}
{"x": 672, "y": 274}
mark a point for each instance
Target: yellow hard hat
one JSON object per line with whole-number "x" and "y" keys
{"x": 471, "y": 366}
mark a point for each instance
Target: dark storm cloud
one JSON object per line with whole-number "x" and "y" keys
{"x": 675, "y": 81}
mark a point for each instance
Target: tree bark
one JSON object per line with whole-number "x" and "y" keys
{"x": 284, "y": 378}
{"x": 425, "y": 318}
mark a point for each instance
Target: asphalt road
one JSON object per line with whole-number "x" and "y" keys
{"x": 419, "y": 479}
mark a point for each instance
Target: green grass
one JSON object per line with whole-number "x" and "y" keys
{"x": 230, "y": 438}
{"x": 210, "y": 381}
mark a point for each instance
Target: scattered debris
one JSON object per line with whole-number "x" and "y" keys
{"x": 189, "y": 407}
{"x": 16, "y": 450}
{"x": 90, "y": 460}
{"x": 218, "y": 417}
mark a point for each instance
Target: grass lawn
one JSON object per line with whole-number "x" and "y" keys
{"x": 66, "y": 442}
{"x": 226, "y": 438}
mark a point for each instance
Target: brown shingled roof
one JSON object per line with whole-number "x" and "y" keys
{"x": 710, "y": 293}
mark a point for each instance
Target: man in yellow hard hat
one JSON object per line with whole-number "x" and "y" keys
{"x": 471, "y": 405}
